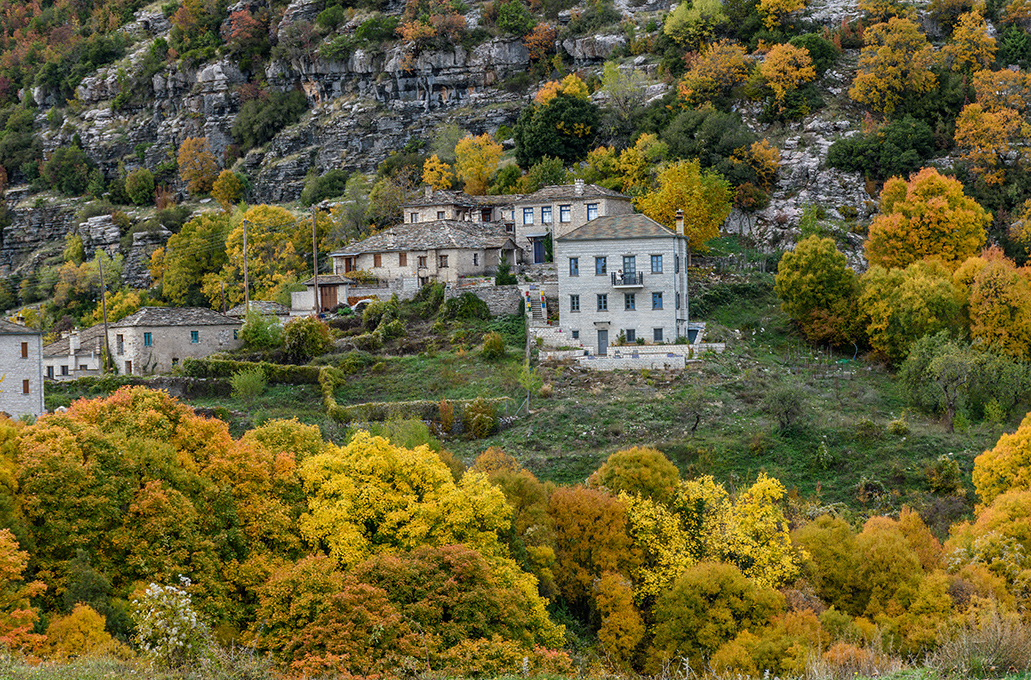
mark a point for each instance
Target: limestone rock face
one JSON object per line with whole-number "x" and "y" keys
{"x": 136, "y": 267}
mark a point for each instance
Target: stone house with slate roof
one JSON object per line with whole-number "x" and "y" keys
{"x": 156, "y": 339}
{"x": 458, "y": 205}
{"x": 264, "y": 307}
{"x": 558, "y": 210}
{"x": 78, "y": 353}
{"x": 623, "y": 275}
{"x": 21, "y": 370}
{"x": 419, "y": 253}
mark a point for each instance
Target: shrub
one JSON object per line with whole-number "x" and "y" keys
{"x": 139, "y": 185}
{"x": 320, "y": 187}
{"x": 261, "y": 119}
{"x": 464, "y": 308}
{"x": 493, "y": 346}
{"x": 638, "y": 471}
{"x": 167, "y": 626}
{"x": 392, "y": 329}
{"x": 249, "y": 383}
{"x": 943, "y": 475}
{"x": 785, "y": 404}
{"x": 261, "y": 332}
{"x": 67, "y": 170}
{"x": 481, "y": 418}
{"x": 80, "y": 633}
{"x": 377, "y": 313}
{"x": 306, "y": 338}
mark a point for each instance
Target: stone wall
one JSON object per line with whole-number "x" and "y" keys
{"x": 499, "y": 299}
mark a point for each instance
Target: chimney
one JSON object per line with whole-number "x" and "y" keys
{"x": 429, "y": 191}
{"x": 578, "y": 187}
{"x": 73, "y": 342}
{"x": 680, "y": 222}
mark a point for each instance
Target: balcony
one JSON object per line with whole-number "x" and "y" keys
{"x": 632, "y": 280}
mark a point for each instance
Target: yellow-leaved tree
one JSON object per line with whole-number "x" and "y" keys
{"x": 703, "y": 196}
{"x": 991, "y": 140}
{"x": 773, "y": 11}
{"x": 476, "y": 161}
{"x": 197, "y": 165}
{"x": 437, "y": 173}
{"x": 785, "y": 69}
{"x": 1006, "y": 466}
{"x": 999, "y": 305}
{"x": 971, "y": 47}
{"x": 713, "y": 73}
{"x": 926, "y": 217}
{"x": 895, "y": 62}
{"x": 227, "y": 189}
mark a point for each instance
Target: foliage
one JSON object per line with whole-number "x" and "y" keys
{"x": 318, "y": 188}
{"x": 562, "y": 123}
{"x": 67, "y": 170}
{"x": 898, "y": 147}
{"x": 998, "y": 295}
{"x": 139, "y": 185}
{"x": 816, "y": 288}
{"x": 622, "y": 626}
{"x": 196, "y": 251}
{"x": 515, "y": 18}
{"x": 638, "y": 471}
{"x": 248, "y": 384}
{"x": 197, "y": 165}
{"x": 1006, "y": 466}
{"x": 261, "y": 119}
{"x": 17, "y": 615}
{"x": 928, "y": 216}
{"x": 895, "y": 60}
{"x": 493, "y": 346}
{"x": 717, "y": 139}
{"x": 823, "y": 52}
{"x": 476, "y": 160}
{"x": 305, "y": 338}
{"x": 703, "y": 196}
{"x": 80, "y": 633}
{"x": 227, "y": 189}
{"x": 437, "y": 173}
{"x": 786, "y": 68}
{"x": 261, "y": 332}
{"x": 971, "y": 48}
{"x": 167, "y": 626}
{"x": 464, "y": 308}
{"x": 712, "y": 74}
{"x": 991, "y": 140}
{"x": 773, "y": 11}
{"x": 691, "y": 23}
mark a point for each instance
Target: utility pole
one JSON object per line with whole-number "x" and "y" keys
{"x": 103, "y": 306}
{"x": 222, "y": 292}
{"x": 315, "y": 264}
{"x": 246, "y": 278}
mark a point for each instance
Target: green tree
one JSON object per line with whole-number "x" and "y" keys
{"x": 305, "y": 338}
{"x": 139, "y": 185}
{"x": 816, "y": 289}
{"x": 199, "y": 249}
{"x": 67, "y": 170}
{"x": 565, "y": 127}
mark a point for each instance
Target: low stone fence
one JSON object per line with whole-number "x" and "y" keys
{"x": 499, "y": 299}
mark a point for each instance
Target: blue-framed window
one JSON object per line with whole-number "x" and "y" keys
{"x": 148, "y": 340}
{"x": 194, "y": 337}
{"x": 656, "y": 300}
{"x": 574, "y": 266}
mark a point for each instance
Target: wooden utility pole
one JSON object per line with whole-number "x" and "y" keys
{"x": 315, "y": 264}
{"x": 246, "y": 278}
{"x": 222, "y": 292}
{"x": 103, "y": 306}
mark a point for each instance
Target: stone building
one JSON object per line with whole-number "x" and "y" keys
{"x": 21, "y": 370}
{"x": 622, "y": 277}
{"x": 558, "y": 210}
{"x": 156, "y": 339}
{"x": 458, "y": 205}
{"x": 78, "y": 353}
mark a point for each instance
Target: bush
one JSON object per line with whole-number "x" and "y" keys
{"x": 320, "y": 187}
{"x": 943, "y": 475}
{"x": 515, "y": 18}
{"x": 67, "y": 171}
{"x": 261, "y": 332}
{"x": 481, "y": 418}
{"x": 392, "y": 329}
{"x": 898, "y": 148}
{"x": 222, "y": 368}
{"x": 167, "y": 626}
{"x": 465, "y": 308}
{"x": 786, "y": 404}
{"x": 249, "y": 383}
{"x": 139, "y": 185}
{"x": 493, "y": 346}
{"x": 306, "y": 338}
{"x": 261, "y": 119}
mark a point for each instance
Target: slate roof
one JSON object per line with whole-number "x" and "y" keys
{"x": 448, "y": 197}
{"x": 90, "y": 340}
{"x": 568, "y": 191}
{"x": 175, "y": 316}
{"x": 632, "y": 226}
{"x": 435, "y": 235}
{"x": 9, "y": 328}
{"x": 327, "y": 280}
{"x": 264, "y": 307}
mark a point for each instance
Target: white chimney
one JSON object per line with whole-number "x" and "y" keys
{"x": 73, "y": 342}
{"x": 429, "y": 191}
{"x": 578, "y": 187}
{"x": 680, "y": 222}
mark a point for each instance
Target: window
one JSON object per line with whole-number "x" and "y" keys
{"x": 592, "y": 211}
{"x": 656, "y": 335}
{"x": 25, "y": 386}
{"x": 50, "y": 372}
{"x": 119, "y": 344}
{"x": 574, "y": 303}
{"x": 676, "y": 264}
{"x": 603, "y": 302}
{"x": 656, "y": 264}
{"x": 64, "y": 370}
{"x": 377, "y": 260}
{"x": 630, "y": 334}
{"x": 414, "y": 218}
{"x": 83, "y": 367}
{"x": 128, "y": 368}
{"x": 25, "y": 350}
{"x": 574, "y": 266}
{"x": 678, "y": 300}
{"x": 236, "y": 334}
{"x": 349, "y": 265}
{"x": 527, "y": 215}
{"x": 476, "y": 259}
{"x": 546, "y": 215}
{"x": 194, "y": 337}
{"x": 148, "y": 340}
{"x": 443, "y": 261}
{"x": 599, "y": 266}
{"x": 629, "y": 265}
{"x": 509, "y": 227}
{"x": 629, "y": 302}
{"x": 576, "y": 335}
{"x": 402, "y": 259}
{"x": 563, "y": 213}
{"x": 440, "y": 214}
{"x": 656, "y": 300}
{"x": 422, "y": 262}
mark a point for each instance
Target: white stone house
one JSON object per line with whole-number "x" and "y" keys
{"x": 21, "y": 370}
{"x": 78, "y": 353}
{"x": 156, "y": 339}
{"x": 622, "y": 277}
{"x": 558, "y": 210}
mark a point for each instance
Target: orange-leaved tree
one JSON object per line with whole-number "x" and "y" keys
{"x": 713, "y": 73}
{"x": 197, "y": 165}
{"x": 785, "y": 69}
{"x": 991, "y": 140}
{"x": 971, "y": 47}
{"x": 895, "y": 62}
{"x": 927, "y": 217}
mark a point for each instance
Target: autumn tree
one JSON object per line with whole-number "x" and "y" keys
{"x": 197, "y": 165}
{"x": 773, "y": 11}
{"x": 476, "y": 161}
{"x": 637, "y": 164}
{"x": 786, "y": 68}
{"x": 18, "y": 615}
{"x": 832, "y": 562}
{"x": 816, "y": 289}
{"x": 1000, "y": 307}
{"x": 622, "y": 626}
{"x": 926, "y": 217}
{"x": 1006, "y": 466}
{"x": 437, "y": 173}
{"x": 198, "y": 249}
{"x": 692, "y": 23}
{"x": 227, "y": 189}
{"x": 703, "y": 196}
{"x": 895, "y": 61}
{"x": 1003, "y": 89}
{"x": 539, "y": 42}
{"x": 971, "y": 47}
{"x": 638, "y": 471}
{"x": 713, "y": 73}
{"x": 990, "y": 141}
{"x": 561, "y": 123}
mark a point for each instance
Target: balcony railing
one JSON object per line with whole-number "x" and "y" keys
{"x": 634, "y": 280}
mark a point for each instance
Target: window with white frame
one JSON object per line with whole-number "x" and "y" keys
{"x": 527, "y": 215}
{"x": 546, "y": 215}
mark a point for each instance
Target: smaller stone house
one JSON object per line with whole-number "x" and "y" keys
{"x": 458, "y": 205}
{"x": 558, "y": 210}
{"x": 622, "y": 276}
{"x": 264, "y": 307}
{"x": 21, "y": 370}
{"x": 156, "y": 339}
{"x": 424, "y": 252}
{"x": 78, "y": 353}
